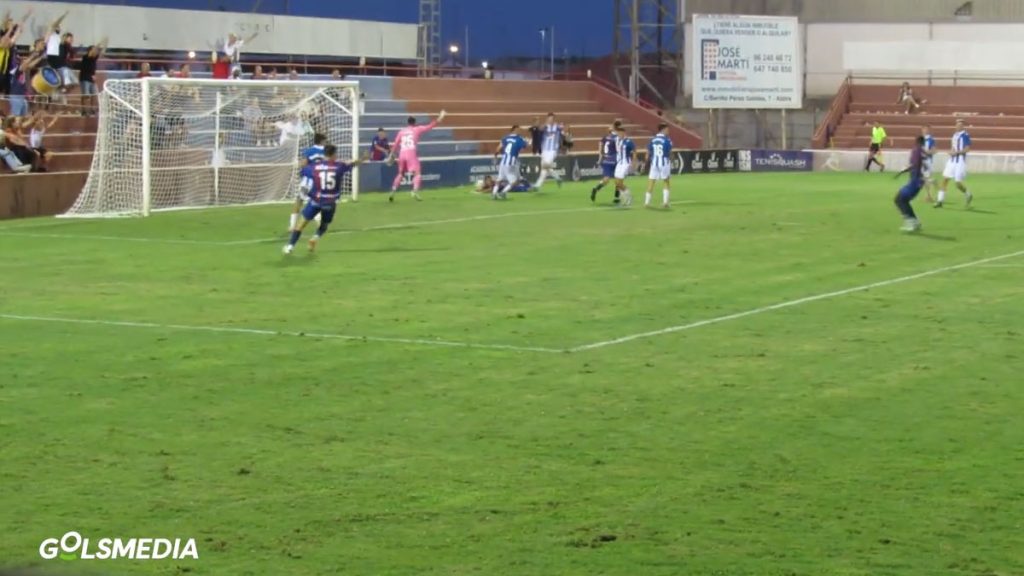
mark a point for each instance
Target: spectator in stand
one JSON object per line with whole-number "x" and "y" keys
{"x": 56, "y": 57}
{"x": 273, "y": 74}
{"x": 255, "y": 124}
{"x": 8, "y": 41}
{"x": 257, "y": 73}
{"x": 19, "y": 83}
{"x": 145, "y": 71}
{"x": 293, "y": 74}
{"x": 87, "y": 77}
{"x": 184, "y": 71}
{"x": 908, "y": 99}
{"x": 10, "y": 159}
{"x": 17, "y": 144}
{"x": 233, "y": 49}
{"x": 39, "y": 125}
{"x": 380, "y": 148}
{"x": 336, "y": 75}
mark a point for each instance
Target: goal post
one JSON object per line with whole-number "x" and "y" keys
{"x": 178, "y": 143}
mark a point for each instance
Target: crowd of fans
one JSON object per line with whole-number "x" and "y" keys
{"x": 51, "y": 78}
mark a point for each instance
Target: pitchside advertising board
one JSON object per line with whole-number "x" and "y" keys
{"x": 746, "y": 62}
{"x": 453, "y": 172}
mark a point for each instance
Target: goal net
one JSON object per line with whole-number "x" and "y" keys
{"x": 174, "y": 143}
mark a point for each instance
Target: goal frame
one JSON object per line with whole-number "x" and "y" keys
{"x": 146, "y": 85}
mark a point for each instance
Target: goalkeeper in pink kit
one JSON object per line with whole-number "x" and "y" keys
{"x": 408, "y": 157}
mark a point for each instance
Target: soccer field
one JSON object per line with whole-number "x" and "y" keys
{"x": 769, "y": 379}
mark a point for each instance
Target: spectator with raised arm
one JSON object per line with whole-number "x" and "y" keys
{"x": 56, "y": 54}
{"x": 19, "y": 91}
{"x": 8, "y": 40}
{"x": 17, "y": 143}
{"x": 87, "y": 76}
{"x": 233, "y": 49}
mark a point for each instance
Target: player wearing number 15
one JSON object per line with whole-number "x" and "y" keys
{"x": 321, "y": 183}
{"x": 408, "y": 156}
{"x": 659, "y": 151}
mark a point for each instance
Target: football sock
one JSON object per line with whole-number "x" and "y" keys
{"x": 647, "y": 198}
{"x": 293, "y": 221}
{"x": 664, "y": 196}
{"x": 416, "y": 181}
{"x": 322, "y": 229}
{"x": 397, "y": 182}
{"x": 543, "y": 176}
{"x": 942, "y": 196}
{"x": 598, "y": 187}
{"x": 295, "y": 237}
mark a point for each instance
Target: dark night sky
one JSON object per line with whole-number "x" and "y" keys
{"x": 496, "y": 27}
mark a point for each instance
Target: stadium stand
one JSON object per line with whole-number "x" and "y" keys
{"x": 994, "y": 116}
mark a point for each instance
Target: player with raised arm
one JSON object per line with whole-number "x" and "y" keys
{"x": 321, "y": 182}
{"x": 956, "y": 166}
{"x": 507, "y": 155}
{"x": 606, "y": 152}
{"x": 911, "y": 189}
{"x": 551, "y": 142}
{"x": 406, "y": 142}
{"x": 312, "y": 155}
{"x": 659, "y": 151}
{"x": 624, "y": 165}
{"x": 929, "y": 161}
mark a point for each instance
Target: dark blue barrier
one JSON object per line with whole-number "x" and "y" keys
{"x": 451, "y": 172}
{"x": 781, "y": 161}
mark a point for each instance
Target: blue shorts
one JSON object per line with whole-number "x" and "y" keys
{"x": 608, "y": 170}
{"x": 326, "y": 212}
{"x": 910, "y": 190}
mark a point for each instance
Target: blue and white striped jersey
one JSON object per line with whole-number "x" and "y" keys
{"x": 552, "y": 140}
{"x": 961, "y": 141}
{"x": 659, "y": 149}
{"x": 624, "y": 150}
{"x": 511, "y": 146}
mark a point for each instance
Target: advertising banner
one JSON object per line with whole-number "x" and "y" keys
{"x": 781, "y": 160}
{"x": 746, "y": 62}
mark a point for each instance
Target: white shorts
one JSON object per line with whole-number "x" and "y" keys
{"x": 621, "y": 171}
{"x": 660, "y": 172}
{"x": 509, "y": 174}
{"x": 548, "y": 156}
{"x": 955, "y": 170}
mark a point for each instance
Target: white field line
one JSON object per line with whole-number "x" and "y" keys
{"x": 13, "y": 231}
{"x": 266, "y": 332}
{"x": 1001, "y": 266}
{"x": 792, "y": 303}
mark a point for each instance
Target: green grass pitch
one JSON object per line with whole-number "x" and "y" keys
{"x": 454, "y": 387}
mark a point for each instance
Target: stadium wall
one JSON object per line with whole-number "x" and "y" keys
{"x": 163, "y": 29}
{"x": 26, "y": 195}
{"x": 824, "y": 45}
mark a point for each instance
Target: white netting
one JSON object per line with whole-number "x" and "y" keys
{"x": 211, "y": 143}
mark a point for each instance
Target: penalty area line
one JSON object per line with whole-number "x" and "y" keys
{"x": 284, "y": 333}
{"x": 792, "y": 303}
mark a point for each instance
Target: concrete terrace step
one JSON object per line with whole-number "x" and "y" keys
{"x": 941, "y": 133}
{"x": 977, "y": 144}
{"x": 967, "y": 109}
{"x": 933, "y": 119}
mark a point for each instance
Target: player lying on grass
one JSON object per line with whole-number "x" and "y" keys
{"x": 312, "y": 155}
{"x": 321, "y": 183}
{"x": 488, "y": 184}
{"x": 406, "y": 141}
{"x": 624, "y": 165}
{"x": 913, "y": 186}
{"x": 507, "y": 156}
{"x": 659, "y": 151}
{"x": 606, "y": 152}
